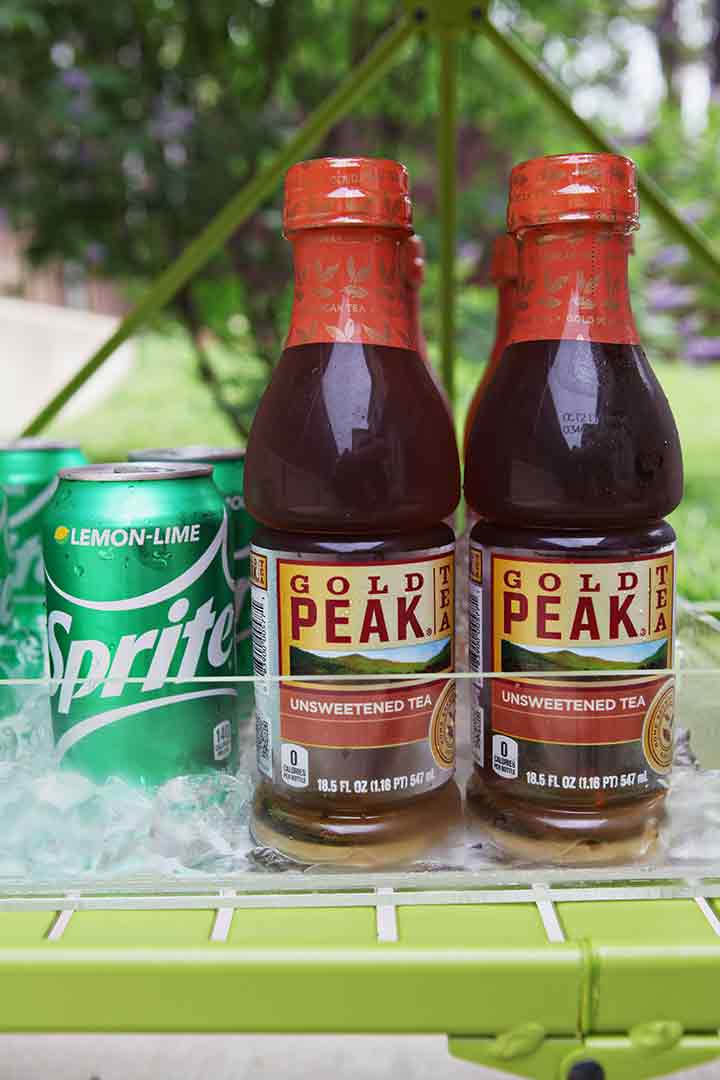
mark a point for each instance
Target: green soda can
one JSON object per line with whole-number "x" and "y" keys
{"x": 8, "y": 652}
{"x": 228, "y": 467}
{"x": 28, "y": 476}
{"x": 5, "y": 566}
{"x": 138, "y": 592}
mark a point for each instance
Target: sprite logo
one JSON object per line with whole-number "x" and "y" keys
{"x": 124, "y": 650}
{"x": 208, "y": 634}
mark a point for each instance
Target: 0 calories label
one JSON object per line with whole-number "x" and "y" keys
{"x": 340, "y": 631}
{"x": 599, "y": 731}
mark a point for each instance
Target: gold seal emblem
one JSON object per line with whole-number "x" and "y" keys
{"x": 657, "y": 737}
{"x": 442, "y": 728}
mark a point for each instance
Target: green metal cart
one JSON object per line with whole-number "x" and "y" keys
{"x": 539, "y": 981}
{"x": 539, "y": 973}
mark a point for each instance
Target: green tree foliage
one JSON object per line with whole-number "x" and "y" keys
{"x": 126, "y": 127}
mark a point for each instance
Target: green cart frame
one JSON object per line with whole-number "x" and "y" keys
{"x": 537, "y": 982}
{"x": 542, "y": 981}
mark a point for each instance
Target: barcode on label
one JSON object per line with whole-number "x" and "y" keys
{"x": 263, "y": 744}
{"x": 478, "y": 735}
{"x": 475, "y": 613}
{"x": 258, "y": 621}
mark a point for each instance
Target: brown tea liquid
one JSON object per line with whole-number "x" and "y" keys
{"x": 351, "y": 467}
{"x": 573, "y": 461}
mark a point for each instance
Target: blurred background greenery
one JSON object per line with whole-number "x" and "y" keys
{"x": 127, "y": 126}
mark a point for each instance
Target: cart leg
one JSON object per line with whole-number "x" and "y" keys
{"x": 624, "y": 1059}
{"x": 601, "y": 1058}
{"x": 522, "y": 1052}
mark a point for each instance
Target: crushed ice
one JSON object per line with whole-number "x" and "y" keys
{"x": 56, "y": 824}
{"x": 57, "y": 827}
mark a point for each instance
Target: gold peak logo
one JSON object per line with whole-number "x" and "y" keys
{"x": 61, "y": 534}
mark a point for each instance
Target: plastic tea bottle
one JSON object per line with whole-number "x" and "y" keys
{"x": 503, "y": 273}
{"x": 414, "y": 275}
{"x": 573, "y": 462}
{"x": 414, "y": 272}
{"x": 351, "y": 467}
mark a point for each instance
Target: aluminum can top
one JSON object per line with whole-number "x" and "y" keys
{"x": 128, "y": 472}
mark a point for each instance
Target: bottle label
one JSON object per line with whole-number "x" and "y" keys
{"x": 241, "y": 529}
{"x": 573, "y": 286}
{"x": 328, "y": 625}
{"x": 572, "y": 737}
{"x": 350, "y": 288}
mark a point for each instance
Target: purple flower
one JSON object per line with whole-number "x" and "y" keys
{"x": 94, "y": 253}
{"x": 666, "y": 296}
{"x": 79, "y": 106}
{"x": 170, "y": 123}
{"x": 702, "y": 349}
{"x": 690, "y": 325}
{"x": 675, "y": 255}
{"x": 76, "y": 80}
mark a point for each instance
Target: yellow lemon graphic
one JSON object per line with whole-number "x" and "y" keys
{"x": 61, "y": 534}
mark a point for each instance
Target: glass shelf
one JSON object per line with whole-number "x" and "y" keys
{"x": 64, "y": 837}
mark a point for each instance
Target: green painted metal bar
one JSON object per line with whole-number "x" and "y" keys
{"x": 525, "y": 63}
{"x": 447, "y": 156}
{"x": 234, "y": 213}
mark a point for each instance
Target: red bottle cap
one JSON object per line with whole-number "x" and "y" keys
{"x": 573, "y": 187}
{"x": 504, "y": 262}
{"x": 347, "y": 191}
{"x": 414, "y": 261}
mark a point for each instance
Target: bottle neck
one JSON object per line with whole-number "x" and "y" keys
{"x": 415, "y": 315}
{"x": 507, "y": 303}
{"x": 573, "y": 284}
{"x": 349, "y": 288}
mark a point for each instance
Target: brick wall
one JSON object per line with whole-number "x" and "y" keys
{"x": 60, "y": 283}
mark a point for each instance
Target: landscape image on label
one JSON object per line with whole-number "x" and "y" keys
{"x": 427, "y": 658}
{"x": 643, "y": 656}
